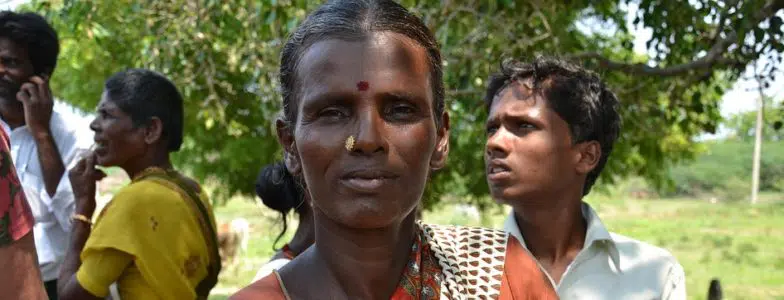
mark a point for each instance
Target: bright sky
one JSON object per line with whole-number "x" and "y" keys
{"x": 742, "y": 97}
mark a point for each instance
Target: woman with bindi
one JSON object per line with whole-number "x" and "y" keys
{"x": 364, "y": 126}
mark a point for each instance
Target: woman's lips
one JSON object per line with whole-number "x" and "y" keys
{"x": 100, "y": 147}
{"x": 368, "y": 181}
{"x": 365, "y": 185}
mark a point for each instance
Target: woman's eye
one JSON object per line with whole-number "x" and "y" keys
{"x": 333, "y": 113}
{"x": 401, "y": 111}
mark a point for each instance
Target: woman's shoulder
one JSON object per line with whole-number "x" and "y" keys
{"x": 141, "y": 195}
{"x": 154, "y": 189}
{"x": 485, "y": 257}
{"x": 145, "y": 187}
{"x": 271, "y": 266}
{"x": 265, "y": 288}
{"x": 470, "y": 236}
{"x": 468, "y": 254}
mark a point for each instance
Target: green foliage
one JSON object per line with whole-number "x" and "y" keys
{"x": 223, "y": 55}
{"x": 725, "y": 170}
{"x": 743, "y": 124}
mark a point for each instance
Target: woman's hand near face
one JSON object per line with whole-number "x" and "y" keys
{"x": 83, "y": 178}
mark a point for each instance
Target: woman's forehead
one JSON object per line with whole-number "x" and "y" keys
{"x": 107, "y": 103}
{"x": 364, "y": 57}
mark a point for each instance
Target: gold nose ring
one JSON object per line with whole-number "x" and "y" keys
{"x": 350, "y": 143}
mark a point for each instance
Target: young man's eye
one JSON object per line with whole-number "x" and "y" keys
{"x": 491, "y": 129}
{"x": 526, "y": 125}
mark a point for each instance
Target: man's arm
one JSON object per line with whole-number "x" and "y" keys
{"x": 55, "y": 153}
{"x": 51, "y": 164}
{"x": 38, "y": 108}
{"x": 24, "y": 281}
{"x": 61, "y": 202}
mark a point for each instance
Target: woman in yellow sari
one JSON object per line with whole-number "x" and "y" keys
{"x": 156, "y": 238}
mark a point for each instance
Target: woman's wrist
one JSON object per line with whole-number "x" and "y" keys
{"x": 84, "y": 211}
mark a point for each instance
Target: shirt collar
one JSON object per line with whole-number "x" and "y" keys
{"x": 596, "y": 234}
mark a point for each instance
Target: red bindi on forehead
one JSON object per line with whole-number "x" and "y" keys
{"x": 363, "y": 86}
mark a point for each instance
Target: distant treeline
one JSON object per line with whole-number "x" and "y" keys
{"x": 724, "y": 170}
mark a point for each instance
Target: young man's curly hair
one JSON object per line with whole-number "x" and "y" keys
{"x": 577, "y": 95}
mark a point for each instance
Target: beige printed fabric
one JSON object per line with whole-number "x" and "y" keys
{"x": 472, "y": 260}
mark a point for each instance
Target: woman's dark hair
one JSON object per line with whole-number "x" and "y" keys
{"x": 577, "y": 95}
{"x": 279, "y": 190}
{"x": 354, "y": 20}
{"x": 144, "y": 94}
{"x": 36, "y": 35}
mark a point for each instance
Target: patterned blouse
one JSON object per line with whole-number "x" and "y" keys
{"x": 16, "y": 219}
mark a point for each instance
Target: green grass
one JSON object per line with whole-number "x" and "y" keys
{"x": 736, "y": 242}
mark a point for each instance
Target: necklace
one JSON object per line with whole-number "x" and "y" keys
{"x": 151, "y": 170}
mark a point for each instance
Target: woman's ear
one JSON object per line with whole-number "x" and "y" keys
{"x": 286, "y": 139}
{"x": 154, "y": 131}
{"x": 440, "y": 153}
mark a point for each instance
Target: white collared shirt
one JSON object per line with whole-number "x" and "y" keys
{"x": 612, "y": 266}
{"x": 52, "y": 214}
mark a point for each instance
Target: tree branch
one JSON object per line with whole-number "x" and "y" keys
{"x": 722, "y": 20}
{"x": 712, "y": 58}
{"x": 464, "y": 92}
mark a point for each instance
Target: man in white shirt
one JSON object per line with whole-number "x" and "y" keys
{"x": 550, "y": 130}
{"x": 43, "y": 145}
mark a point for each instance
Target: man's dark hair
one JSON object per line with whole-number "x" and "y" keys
{"x": 144, "y": 94}
{"x": 36, "y": 35}
{"x": 355, "y": 20}
{"x": 577, "y": 95}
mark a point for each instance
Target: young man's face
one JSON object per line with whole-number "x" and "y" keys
{"x": 15, "y": 67}
{"x": 529, "y": 155}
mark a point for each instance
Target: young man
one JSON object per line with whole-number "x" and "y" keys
{"x": 17, "y": 248}
{"x": 43, "y": 145}
{"x": 550, "y": 130}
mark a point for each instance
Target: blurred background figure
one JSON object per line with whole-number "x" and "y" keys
{"x": 280, "y": 191}
{"x": 20, "y": 277}
{"x": 43, "y": 143}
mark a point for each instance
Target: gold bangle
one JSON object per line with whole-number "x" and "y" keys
{"x": 82, "y": 218}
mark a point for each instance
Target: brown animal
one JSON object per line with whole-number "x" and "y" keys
{"x": 233, "y": 240}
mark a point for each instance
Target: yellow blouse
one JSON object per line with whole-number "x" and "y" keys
{"x": 148, "y": 239}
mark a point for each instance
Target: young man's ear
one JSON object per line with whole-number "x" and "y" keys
{"x": 588, "y": 155}
{"x": 286, "y": 139}
{"x": 440, "y": 153}
{"x": 153, "y": 131}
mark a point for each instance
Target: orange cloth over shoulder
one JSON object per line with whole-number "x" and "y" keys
{"x": 522, "y": 277}
{"x": 522, "y": 280}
